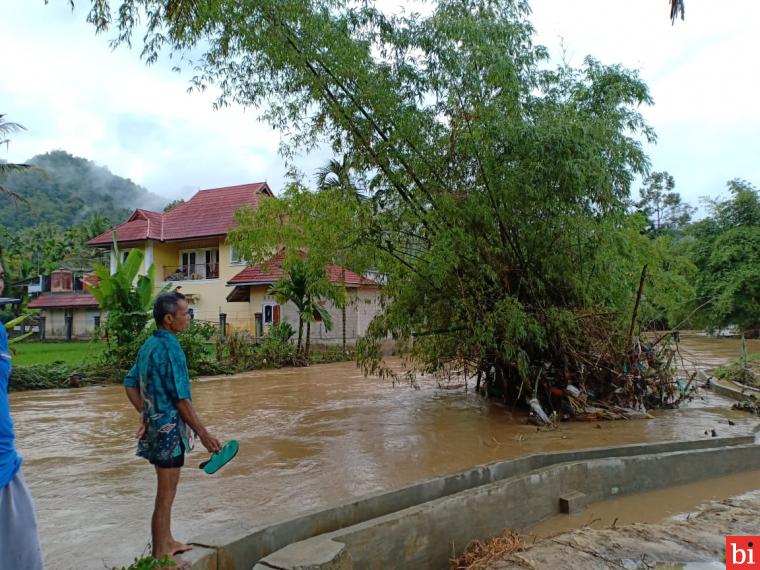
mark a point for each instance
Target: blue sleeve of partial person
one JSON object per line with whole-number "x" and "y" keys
{"x": 5, "y": 360}
{"x": 179, "y": 383}
{"x": 3, "y": 340}
{"x": 132, "y": 379}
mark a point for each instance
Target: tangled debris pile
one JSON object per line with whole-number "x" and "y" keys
{"x": 606, "y": 386}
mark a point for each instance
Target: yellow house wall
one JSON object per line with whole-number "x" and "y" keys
{"x": 211, "y": 293}
{"x": 140, "y": 247}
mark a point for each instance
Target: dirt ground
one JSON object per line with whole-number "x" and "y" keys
{"x": 693, "y": 538}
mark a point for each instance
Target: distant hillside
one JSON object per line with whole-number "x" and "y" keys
{"x": 65, "y": 189}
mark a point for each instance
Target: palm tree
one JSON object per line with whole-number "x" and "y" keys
{"x": 6, "y": 128}
{"x": 336, "y": 175}
{"x": 306, "y": 288}
{"x": 292, "y": 288}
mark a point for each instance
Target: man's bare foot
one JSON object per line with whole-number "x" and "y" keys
{"x": 176, "y": 547}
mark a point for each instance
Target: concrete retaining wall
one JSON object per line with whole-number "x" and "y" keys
{"x": 241, "y": 547}
{"x": 424, "y": 537}
{"x": 733, "y": 390}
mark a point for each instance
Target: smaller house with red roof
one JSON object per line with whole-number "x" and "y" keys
{"x": 251, "y": 286}
{"x": 188, "y": 248}
{"x": 67, "y": 310}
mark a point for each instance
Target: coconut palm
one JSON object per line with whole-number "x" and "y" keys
{"x": 306, "y": 288}
{"x": 6, "y": 128}
{"x": 336, "y": 175}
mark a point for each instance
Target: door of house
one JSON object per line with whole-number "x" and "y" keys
{"x": 259, "y": 325}
{"x": 188, "y": 264}
{"x": 212, "y": 264}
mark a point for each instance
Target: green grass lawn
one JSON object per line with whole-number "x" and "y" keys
{"x": 45, "y": 352}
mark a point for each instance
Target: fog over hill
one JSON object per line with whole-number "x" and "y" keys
{"x": 63, "y": 189}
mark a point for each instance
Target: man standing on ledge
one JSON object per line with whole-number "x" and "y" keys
{"x": 19, "y": 539}
{"x": 158, "y": 385}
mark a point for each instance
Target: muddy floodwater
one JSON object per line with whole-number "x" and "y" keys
{"x": 308, "y": 438}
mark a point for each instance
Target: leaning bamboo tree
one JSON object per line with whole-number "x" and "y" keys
{"x": 499, "y": 184}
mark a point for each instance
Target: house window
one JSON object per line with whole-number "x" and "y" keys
{"x": 195, "y": 264}
{"x": 271, "y": 314}
{"x": 124, "y": 255}
{"x": 235, "y": 257}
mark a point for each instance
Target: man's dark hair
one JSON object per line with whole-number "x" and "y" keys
{"x": 166, "y": 304}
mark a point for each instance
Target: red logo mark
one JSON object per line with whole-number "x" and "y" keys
{"x": 742, "y": 552}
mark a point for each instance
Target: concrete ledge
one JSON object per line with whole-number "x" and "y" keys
{"x": 734, "y": 391}
{"x": 312, "y": 554}
{"x": 200, "y": 558}
{"x": 423, "y": 537}
{"x": 573, "y": 502}
{"x": 241, "y": 546}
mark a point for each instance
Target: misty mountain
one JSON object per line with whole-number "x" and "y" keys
{"x": 65, "y": 190}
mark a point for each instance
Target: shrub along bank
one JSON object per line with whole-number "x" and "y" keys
{"x": 239, "y": 352}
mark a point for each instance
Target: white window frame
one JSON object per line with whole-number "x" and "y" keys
{"x": 264, "y": 306}
{"x": 200, "y": 254}
{"x": 239, "y": 260}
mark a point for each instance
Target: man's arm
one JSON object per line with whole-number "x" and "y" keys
{"x": 187, "y": 413}
{"x": 134, "y": 397}
{"x": 136, "y": 400}
{"x": 131, "y": 385}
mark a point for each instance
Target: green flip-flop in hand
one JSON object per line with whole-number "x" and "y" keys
{"x": 220, "y": 458}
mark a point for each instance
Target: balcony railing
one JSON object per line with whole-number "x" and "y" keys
{"x": 191, "y": 272}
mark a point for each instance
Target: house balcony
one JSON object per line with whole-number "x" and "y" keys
{"x": 191, "y": 272}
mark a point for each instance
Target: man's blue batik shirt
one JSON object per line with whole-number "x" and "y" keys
{"x": 161, "y": 375}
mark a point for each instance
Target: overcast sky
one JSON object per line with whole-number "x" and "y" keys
{"x": 72, "y": 92}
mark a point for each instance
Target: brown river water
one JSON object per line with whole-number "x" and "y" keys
{"x": 308, "y": 437}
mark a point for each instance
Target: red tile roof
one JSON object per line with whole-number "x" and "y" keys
{"x": 272, "y": 271}
{"x": 63, "y": 301}
{"x": 209, "y": 213}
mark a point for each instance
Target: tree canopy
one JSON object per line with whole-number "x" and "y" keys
{"x": 498, "y": 185}
{"x": 725, "y": 247}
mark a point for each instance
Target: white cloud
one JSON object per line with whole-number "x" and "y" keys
{"x": 702, "y": 74}
{"x": 72, "y": 92}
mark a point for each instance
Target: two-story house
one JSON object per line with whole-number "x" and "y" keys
{"x": 188, "y": 248}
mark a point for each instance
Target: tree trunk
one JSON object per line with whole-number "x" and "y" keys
{"x": 308, "y": 339}
{"x": 300, "y": 331}
{"x": 343, "y": 309}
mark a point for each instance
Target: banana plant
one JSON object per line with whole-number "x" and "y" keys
{"x": 17, "y": 321}
{"x": 125, "y": 295}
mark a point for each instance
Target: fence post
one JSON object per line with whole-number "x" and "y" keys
{"x": 223, "y": 325}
